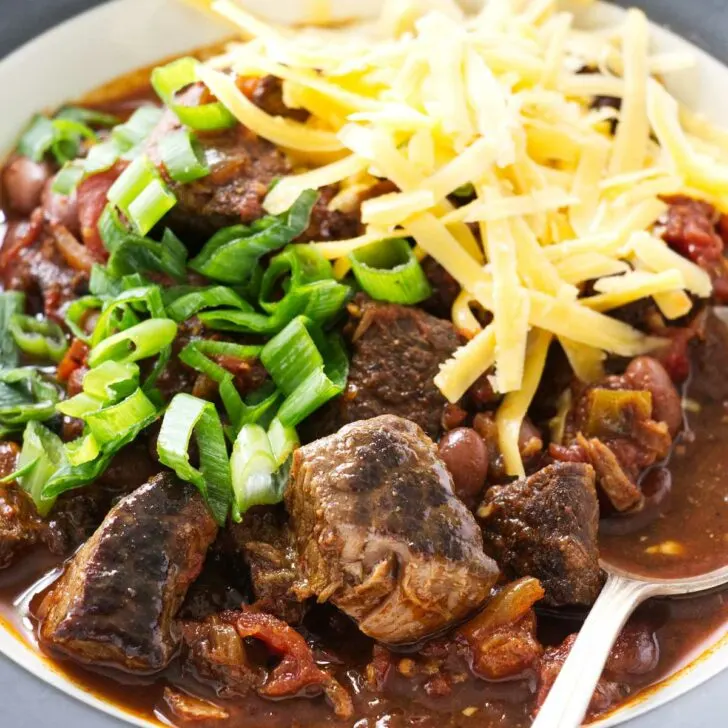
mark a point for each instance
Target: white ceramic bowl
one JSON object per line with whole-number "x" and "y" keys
{"x": 123, "y": 35}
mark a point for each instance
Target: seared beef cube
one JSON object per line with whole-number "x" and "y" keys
{"x": 264, "y": 542}
{"x": 381, "y": 534}
{"x": 397, "y": 353}
{"x": 214, "y": 652}
{"x": 546, "y": 526}
{"x": 243, "y": 167}
{"x": 20, "y": 526}
{"x": 116, "y": 601}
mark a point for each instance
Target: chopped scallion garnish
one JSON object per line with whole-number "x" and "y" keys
{"x": 39, "y": 338}
{"x": 389, "y": 271}
{"x": 169, "y": 80}
{"x": 183, "y": 156}
{"x": 187, "y": 416}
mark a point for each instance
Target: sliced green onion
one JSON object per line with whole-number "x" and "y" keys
{"x": 136, "y": 254}
{"x": 77, "y": 312}
{"x": 253, "y": 469}
{"x": 189, "y": 304}
{"x": 45, "y": 449}
{"x": 111, "y": 381}
{"x": 196, "y": 355}
{"x": 131, "y": 182}
{"x": 142, "y": 195}
{"x": 115, "y": 314}
{"x": 80, "y": 406}
{"x": 83, "y": 450}
{"x": 169, "y": 80}
{"x": 183, "y": 156}
{"x": 389, "y": 271}
{"x": 38, "y": 138}
{"x": 302, "y": 264}
{"x": 283, "y": 441}
{"x": 112, "y": 229}
{"x": 188, "y": 415}
{"x": 232, "y": 254}
{"x": 11, "y": 304}
{"x": 66, "y": 181}
{"x": 68, "y": 136}
{"x": 71, "y": 476}
{"x": 152, "y": 204}
{"x": 139, "y": 342}
{"x": 291, "y": 356}
{"x": 90, "y": 117}
{"x": 106, "y": 424}
{"x": 39, "y": 338}
{"x": 258, "y": 408}
{"x": 25, "y": 396}
{"x": 135, "y": 131}
{"x": 308, "y": 374}
{"x": 101, "y": 157}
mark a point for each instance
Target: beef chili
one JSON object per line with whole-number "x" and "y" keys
{"x": 269, "y": 491}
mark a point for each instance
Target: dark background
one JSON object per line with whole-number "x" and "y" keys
{"x": 26, "y": 702}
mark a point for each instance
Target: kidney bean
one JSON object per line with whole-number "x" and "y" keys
{"x": 648, "y": 374}
{"x": 464, "y": 453}
{"x": 23, "y": 181}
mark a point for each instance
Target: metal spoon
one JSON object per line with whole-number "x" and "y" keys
{"x": 570, "y": 695}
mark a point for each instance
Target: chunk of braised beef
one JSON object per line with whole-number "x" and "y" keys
{"x": 297, "y": 674}
{"x": 396, "y": 354}
{"x": 380, "y": 533}
{"x": 545, "y": 526}
{"x": 636, "y": 652}
{"x": 264, "y": 542}
{"x": 116, "y": 601}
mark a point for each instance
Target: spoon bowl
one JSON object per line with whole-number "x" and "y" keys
{"x": 571, "y": 693}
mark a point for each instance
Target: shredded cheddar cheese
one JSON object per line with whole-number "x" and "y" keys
{"x": 495, "y": 106}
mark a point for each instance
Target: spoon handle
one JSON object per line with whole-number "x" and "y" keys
{"x": 568, "y": 700}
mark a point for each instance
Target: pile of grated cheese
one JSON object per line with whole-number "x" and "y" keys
{"x": 435, "y": 100}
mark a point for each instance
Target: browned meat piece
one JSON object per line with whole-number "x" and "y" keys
{"x": 695, "y": 230}
{"x": 635, "y": 653}
{"x": 20, "y": 525}
{"x": 243, "y": 166}
{"x": 502, "y": 639}
{"x": 546, "y": 526}
{"x": 116, "y": 601}
{"x": 213, "y": 651}
{"x": 297, "y": 673}
{"x": 397, "y": 352}
{"x": 32, "y": 262}
{"x": 264, "y": 542}
{"x": 381, "y": 534}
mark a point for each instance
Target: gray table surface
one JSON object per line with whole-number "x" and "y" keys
{"x": 27, "y": 702}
